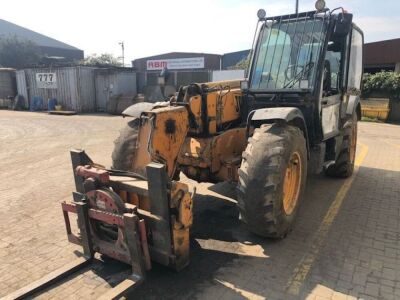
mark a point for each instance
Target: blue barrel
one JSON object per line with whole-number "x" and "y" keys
{"x": 36, "y": 103}
{"x": 51, "y": 104}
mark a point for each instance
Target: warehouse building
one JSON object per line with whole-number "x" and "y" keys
{"x": 378, "y": 56}
{"x": 382, "y": 55}
{"x": 48, "y": 47}
{"x": 185, "y": 67}
{"x": 182, "y": 68}
{"x": 178, "y": 61}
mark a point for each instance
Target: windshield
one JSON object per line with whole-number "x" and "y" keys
{"x": 287, "y": 53}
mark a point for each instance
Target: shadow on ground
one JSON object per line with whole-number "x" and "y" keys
{"x": 267, "y": 273}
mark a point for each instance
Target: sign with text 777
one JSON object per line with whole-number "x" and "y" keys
{"x": 46, "y": 80}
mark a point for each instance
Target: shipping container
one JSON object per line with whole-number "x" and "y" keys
{"x": 111, "y": 83}
{"x": 81, "y": 89}
{"x": 73, "y": 87}
{"x": 7, "y": 83}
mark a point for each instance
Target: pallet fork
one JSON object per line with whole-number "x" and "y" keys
{"x": 160, "y": 233}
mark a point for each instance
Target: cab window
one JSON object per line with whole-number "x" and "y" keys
{"x": 355, "y": 63}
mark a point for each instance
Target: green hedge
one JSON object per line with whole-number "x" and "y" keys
{"x": 384, "y": 83}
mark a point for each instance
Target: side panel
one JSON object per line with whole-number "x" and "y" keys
{"x": 168, "y": 134}
{"x": 161, "y": 135}
{"x": 330, "y": 120}
{"x": 214, "y": 158}
{"x": 223, "y": 106}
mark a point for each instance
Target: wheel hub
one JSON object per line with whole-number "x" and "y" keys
{"x": 291, "y": 184}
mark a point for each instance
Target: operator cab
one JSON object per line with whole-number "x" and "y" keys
{"x": 312, "y": 61}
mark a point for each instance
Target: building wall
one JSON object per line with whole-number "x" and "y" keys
{"x": 76, "y": 86}
{"x": 111, "y": 83}
{"x": 8, "y": 86}
{"x": 383, "y": 55}
{"x": 211, "y": 61}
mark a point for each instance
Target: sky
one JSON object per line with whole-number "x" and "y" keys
{"x": 150, "y": 27}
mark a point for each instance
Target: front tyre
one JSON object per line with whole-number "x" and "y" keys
{"x": 125, "y": 147}
{"x": 272, "y": 179}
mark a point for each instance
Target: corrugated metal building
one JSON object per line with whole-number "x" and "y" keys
{"x": 74, "y": 89}
{"x": 49, "y": 47}
{"x": 8, "y": 86}
{"x": 113, "y": 82}
{"x": 81, "y": 89}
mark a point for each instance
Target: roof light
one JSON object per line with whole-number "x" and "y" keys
{"x": 320, "y": 5}
{"x": 261, "y": 14}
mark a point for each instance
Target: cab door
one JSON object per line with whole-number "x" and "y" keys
{"x": 331, "y": 96}
{"x": 342, "y": 81}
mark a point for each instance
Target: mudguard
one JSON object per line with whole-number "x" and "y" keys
{"x": 286, "y": 114}
{"x": 353, "y": 106}
{"x": 291, "y": 115}
{"x": 136, "y": 110}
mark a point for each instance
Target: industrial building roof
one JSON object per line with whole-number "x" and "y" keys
{"x": 8, "y": 28}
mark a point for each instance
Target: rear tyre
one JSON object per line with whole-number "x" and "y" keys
{"x": 272, "y": 179}
{"x": 344, "y": 165}
{"x": 125, "y": 147}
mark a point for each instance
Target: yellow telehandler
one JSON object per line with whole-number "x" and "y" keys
{"x": 295, "y": 114}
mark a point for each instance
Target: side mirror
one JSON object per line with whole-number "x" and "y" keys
{"x": 244, "y": 85}
{"x": 343, "y": 25}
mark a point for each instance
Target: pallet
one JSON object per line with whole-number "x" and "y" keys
{"x": 62, "y": 112}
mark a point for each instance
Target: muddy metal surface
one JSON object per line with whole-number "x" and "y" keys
{"x": 345, "y": 244}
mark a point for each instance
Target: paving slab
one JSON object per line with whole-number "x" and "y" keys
{"x": 345, "y": 243}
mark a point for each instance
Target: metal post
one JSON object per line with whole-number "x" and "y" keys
{"x": 123, "y": 53}
{"x": 297, "y": 6}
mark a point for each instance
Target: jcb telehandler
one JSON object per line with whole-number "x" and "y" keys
{"x": 296, "y": 114}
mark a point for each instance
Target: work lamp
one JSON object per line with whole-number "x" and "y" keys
{"x": 320, "y": 5}
{"x": 261, "y": 14}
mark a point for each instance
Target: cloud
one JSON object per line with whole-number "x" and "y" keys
{"x": 152, "y": 27}
{"x": 378, "y": 28}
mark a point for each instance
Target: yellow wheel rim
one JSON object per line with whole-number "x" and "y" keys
{"x": 291, "y": 184}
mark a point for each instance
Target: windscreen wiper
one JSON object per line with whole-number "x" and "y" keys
{"x": 304, "y": 73}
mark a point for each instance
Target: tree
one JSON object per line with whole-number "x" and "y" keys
{"x": 18, "y": 53}
{"x": 242, "y": 65}
{"x": 386, "y": 83}
{"x": 102, "y": 60}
